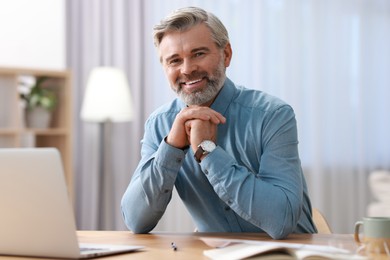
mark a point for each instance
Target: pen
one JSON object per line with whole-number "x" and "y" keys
{"x": 173, "y": 245}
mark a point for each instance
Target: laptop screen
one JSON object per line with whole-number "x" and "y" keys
{"x": 36, "y": 214}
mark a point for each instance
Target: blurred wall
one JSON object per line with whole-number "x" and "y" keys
{"x": 32, "y": 34}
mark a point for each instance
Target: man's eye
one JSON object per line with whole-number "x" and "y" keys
{"x": 198, "y": 54}
{"x": 174, "y": 62}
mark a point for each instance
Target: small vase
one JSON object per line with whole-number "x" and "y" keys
{"x": 38, "y": 117}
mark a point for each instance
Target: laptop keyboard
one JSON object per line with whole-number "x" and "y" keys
{"x": 84, "y": 249}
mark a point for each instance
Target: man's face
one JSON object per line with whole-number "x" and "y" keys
{"x": 194, "y": 65}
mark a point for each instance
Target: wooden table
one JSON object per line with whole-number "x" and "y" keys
{"x": 189, "y": 245}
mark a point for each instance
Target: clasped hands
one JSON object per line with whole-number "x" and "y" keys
{"x": 194, "y": 124}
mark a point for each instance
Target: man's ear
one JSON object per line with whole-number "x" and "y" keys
{"x": 228, "y": 54}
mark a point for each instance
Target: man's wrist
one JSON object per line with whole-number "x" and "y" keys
{"x": 204, "y": 148}
{"x": 178, "y": 147}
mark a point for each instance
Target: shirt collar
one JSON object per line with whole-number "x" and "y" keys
{"x": 225, "y": 97}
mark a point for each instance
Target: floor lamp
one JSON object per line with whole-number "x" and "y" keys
{"x": 107, "y": 99}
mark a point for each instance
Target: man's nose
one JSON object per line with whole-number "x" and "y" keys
{"x": 188, "y": 67}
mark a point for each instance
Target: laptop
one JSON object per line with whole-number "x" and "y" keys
{"x": 36, "y": 216}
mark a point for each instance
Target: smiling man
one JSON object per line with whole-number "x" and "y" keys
{"x": 231, "y": 152}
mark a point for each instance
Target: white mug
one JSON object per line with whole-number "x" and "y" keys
{"x": 376, "y": 234}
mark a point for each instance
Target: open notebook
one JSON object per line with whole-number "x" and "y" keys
{"x": 36, "y": 216}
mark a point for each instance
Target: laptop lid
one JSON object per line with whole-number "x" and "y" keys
{"x": 36, "y": 214}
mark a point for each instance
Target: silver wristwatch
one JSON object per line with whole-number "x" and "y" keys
{"x": 205, "y": 147}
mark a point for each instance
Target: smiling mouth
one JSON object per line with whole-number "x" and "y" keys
{"x": 191, "y": 82}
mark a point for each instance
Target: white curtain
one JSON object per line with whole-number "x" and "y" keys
{"x": 104, "y": 33}
{"x": 329, "y": 59}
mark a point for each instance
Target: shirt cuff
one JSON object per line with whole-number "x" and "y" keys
{"x": 170, "y": 157}
{"x": 215, "y": 163}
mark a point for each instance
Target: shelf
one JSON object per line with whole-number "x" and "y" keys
{"x": 9, "y": 131}
{"x": 51, "y": 131}
{"x": 36, "y": 72}
{"x": 13, "y": 130}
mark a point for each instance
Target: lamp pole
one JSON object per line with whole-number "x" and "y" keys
{"x": 106, "y": 184}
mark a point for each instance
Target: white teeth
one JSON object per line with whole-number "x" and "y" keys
{"x": 193, "y": 82}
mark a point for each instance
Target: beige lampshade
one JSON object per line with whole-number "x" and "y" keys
{"x": 107, "y": 96}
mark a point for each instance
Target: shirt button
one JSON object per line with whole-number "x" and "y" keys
{"x": 178, "y": 160}
{"x": 230, "y": 202}
{"x": 206, "y": 172}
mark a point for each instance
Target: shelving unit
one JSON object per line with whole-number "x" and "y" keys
{"x": 13, "y": 130}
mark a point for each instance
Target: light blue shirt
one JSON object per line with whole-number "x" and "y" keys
{"x": 252, "y": 181}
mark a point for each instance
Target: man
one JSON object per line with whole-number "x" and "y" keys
{"x": 231, "y": 152}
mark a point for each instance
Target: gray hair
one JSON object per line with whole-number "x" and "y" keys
{"x": 188, "y": 17}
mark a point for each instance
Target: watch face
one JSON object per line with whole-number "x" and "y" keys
{"x": 208, "y": 145}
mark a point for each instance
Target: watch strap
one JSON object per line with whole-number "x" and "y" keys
{"x": 198, "y": 154}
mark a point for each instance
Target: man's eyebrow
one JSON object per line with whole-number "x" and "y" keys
{"x": 200, "y": 49}
{"x": 171, "y": 57}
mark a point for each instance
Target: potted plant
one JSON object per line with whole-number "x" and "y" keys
{"x": 40, "y": 102}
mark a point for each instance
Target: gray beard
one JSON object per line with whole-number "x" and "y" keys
{"x": 214, "y": 85}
